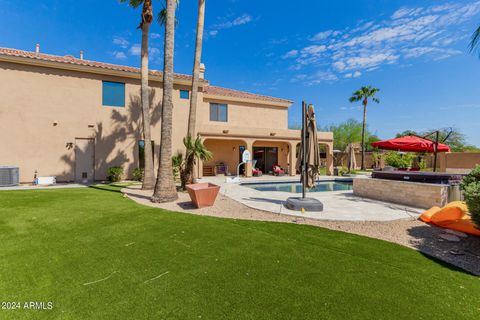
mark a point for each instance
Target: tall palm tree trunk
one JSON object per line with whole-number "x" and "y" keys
{"x": 364, "y": 127}
{"x": 196, "y": 68}
{"x": 165, "y": 190}
{"x": 189, "y": 168}
{"x": 148, "y": 175}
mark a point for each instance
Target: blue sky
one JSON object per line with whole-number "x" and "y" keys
{"x": 322, "y": 51}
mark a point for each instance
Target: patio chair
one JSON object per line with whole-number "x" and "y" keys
{"x": 257, "y": 172}
{"x": 278, "y": 171}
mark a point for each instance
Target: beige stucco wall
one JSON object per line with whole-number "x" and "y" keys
{"x": 461, "y": 162}
{"x": 35, "y": 98}
{"x": 246, "y": 115}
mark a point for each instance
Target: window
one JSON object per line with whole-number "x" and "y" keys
{"x": 218, "y": 112}
{"x": 184, "y": 94}
{"x": 141, "y": 153}
{"x": 113, "y": 94}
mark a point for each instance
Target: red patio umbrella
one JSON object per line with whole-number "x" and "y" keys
{"x": 413, "y": 144}
{"x": 410, "y": 144}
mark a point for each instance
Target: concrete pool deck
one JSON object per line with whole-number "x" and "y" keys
{"x": 338, "y": 205}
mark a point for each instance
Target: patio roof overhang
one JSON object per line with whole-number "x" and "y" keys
{"x": 224, "y": 132}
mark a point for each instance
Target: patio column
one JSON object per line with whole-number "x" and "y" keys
{"x": 292, "y": 158}
{"x": 329, "y": 159}
{"x": 248, "y": 166}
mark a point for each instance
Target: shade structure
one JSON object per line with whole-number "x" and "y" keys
{"x": 310, "y": 151}
{"x": 351, "y": 159}
{"x": 410, "y": 144}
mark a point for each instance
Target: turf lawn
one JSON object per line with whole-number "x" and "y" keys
{"x": 97, "y": 255}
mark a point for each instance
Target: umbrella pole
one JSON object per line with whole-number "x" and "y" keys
{"x": 436, "y": 152}
{"x": 304, "y": 148}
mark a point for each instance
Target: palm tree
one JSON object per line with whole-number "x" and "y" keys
{"x": 195, "y": 82}
{"x": 195, "y": 149}
{"x": 165, "y": 190}
{"x": 147, "y": 17}
{"x": 475, "y": 42}
{"x": 363, "y": 94}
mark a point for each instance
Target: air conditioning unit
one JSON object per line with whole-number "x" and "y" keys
{"x": 9, "y": 176}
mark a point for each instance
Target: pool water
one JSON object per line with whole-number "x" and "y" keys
{"x": 296, "y": 187}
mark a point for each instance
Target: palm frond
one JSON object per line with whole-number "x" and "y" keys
{"x": 133, "y": 3}
{"x": 475, "y": 42}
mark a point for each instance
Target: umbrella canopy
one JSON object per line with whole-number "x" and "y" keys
{"x": 312, "y": 152}
{"x": 351, "y": 160}
{"x": 410, "y": 144}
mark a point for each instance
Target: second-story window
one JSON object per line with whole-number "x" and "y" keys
{"x": 184, "y": 94}
{"x": 113, "y": 94}
{"x": 218, "y": 112}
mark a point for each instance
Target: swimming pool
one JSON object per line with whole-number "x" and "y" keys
{"x": 296, "y": 187}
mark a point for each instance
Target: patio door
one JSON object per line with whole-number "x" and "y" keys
{"x": 84, "y": 160}
{"x": 266, "y": 157}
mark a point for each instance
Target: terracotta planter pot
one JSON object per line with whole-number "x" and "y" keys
{"x": 203, "y": 194}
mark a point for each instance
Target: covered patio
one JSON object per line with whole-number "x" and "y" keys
{"x": 268, "y": 147}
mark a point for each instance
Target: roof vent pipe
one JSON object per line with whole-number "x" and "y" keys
{"x": 81, "y": 55}
{"x": 37, "y": 49}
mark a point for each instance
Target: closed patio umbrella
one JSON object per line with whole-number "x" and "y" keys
{"x": 311, "y": 150}
{"x": 351, "y": 160}
{"x": 308, "y": 162}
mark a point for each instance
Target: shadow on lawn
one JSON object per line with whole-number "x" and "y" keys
{"x": 107, "y": 187}
{"x": 463, "y": 256}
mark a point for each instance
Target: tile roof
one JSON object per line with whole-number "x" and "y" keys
{"x": 240, "y": 94}
{"x": 68, "y": 59}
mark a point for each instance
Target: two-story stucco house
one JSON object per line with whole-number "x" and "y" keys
{"x": 73, "y": 118}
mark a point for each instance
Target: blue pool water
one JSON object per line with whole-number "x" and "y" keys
{"x": 296, "y": 187}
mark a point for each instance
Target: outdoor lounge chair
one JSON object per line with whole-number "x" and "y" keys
{"x": 257, "y": 172}
{"x": 278, "y": 171}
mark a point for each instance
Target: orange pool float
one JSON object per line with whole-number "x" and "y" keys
{"x": 453, "y": 216}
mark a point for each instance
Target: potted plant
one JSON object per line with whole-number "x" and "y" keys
{"x": 203, "y": 194}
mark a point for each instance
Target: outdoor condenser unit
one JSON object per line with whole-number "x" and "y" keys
{"x": 9, "y": 176}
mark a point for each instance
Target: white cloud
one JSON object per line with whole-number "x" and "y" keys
{"x": 121, "y": 42}
{"x": 135, "y": 50}
{"x": 238, "y": 21}
{"x": 244, "y": 19}
{"x": 290, "y": 54}
{"x": 409, "y": 33}
{"x": 120, "y": 55}
{"x": 155, "y": 36}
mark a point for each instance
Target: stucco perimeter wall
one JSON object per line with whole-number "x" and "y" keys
{"x": 43, "y": 110}
{"x": 419, "y": 195}
{"x": 458, "y": 162}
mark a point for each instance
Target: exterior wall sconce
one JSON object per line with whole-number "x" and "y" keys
{"x": 55, "y": 123}
{"x": 234, "y": 148}
{"x": 226, "y": 131}
{"x": 272, "y": 134}
{"x": 69, "y": 145}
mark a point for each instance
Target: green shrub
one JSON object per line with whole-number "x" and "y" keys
{"x": 342, "y": 171}
{"x": 114, "y": 174}
{"x": 472, "y": 198}
{"x": 471, "y": 191}
{"x": 138, "y": 174}
{"x": 399, "y": 160}
{"x": 472, "y": 177}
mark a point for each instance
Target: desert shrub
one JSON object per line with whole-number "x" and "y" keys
{"x": 472, "y": 198}
{"x": 399, "y": 160}
{"x": 138, "y": 174}
{"x": 471, "y": 191}
{"x": 177, "y": 163}
{"x": 472, "y": 177}
{"x": 342, "y": 171}
{"x": 422, "y": 164}
{"x": 114, "y": 174}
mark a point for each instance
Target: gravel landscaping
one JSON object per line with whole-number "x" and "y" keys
{"x": 460, "y": 250}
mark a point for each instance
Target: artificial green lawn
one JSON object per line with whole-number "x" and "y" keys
{"x": 52, "y": 242}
